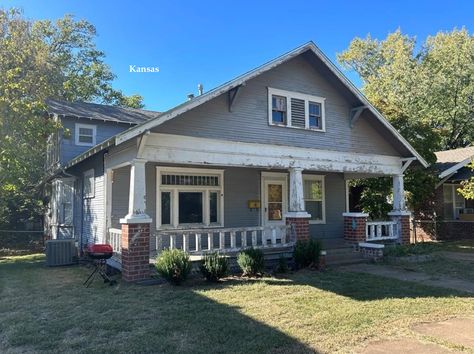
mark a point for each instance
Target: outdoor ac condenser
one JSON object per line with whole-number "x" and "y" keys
{"x": 60, "y": 252}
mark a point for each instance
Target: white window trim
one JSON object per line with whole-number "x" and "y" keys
{"x": 88, "y": 174}
{"x": 87, "y": 126}
{"x": 323, "y": 206}
{"x": 174, "y": 190}
{"x": 302, "y": 96}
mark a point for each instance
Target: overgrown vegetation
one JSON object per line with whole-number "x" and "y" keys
{"x": 307, "y": 253}
{"x": 426, "y": 93}
{"x": 173, "y": 265}
{"x": 39, "y": 60}
{"x": 251, "y": 262}
{"x": 214, "y": 266}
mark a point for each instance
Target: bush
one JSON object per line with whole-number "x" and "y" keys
{"x": 251, "y": 262}
{"x": 173, "y": 265}
{"x": 282, "y": 266}
{"x": 214, "y": 266}
{"x": 306, "y": 253}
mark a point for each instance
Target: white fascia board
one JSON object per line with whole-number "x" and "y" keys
{"x": 455, "y": 168}
{"x": 141, "y": 128}
{"x": 170, "y": 148}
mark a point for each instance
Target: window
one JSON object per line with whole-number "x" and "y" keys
{"x": 88, "y": 184}
{"x": 453, "y": 202}
{"x": 189, "y": 197}
{"x": 314, "y": 119}
{"x": 278, "y": 110}
{"x": 85, "y": 134}
{"x": 313, "y": 190}
{"x": 296, "y": 110}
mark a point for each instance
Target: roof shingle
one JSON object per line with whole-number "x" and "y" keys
{"x": 100, "y": 111}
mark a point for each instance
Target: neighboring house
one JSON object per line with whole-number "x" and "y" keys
{"x": 448, "y": 215}
{"x": 261, "y": 160}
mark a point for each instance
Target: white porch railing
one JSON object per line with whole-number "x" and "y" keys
{"x": 114, "y": 238}
{"x": 381, "y": 230}
{"x": 224, "y": 240}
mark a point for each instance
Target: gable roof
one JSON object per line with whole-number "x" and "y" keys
{"x": 240, "y": 80}
{"x": 449, "y": 162}
{"x": 99, "y": 112}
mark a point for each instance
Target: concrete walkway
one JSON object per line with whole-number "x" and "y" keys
{"x": 417, "y": 277}
{"x": 456, "y": 332}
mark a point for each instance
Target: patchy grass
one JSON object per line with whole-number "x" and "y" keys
{"x": 48, "y": 309}
{"x": 441, "y": 266}
{"x": 429, "y": 247}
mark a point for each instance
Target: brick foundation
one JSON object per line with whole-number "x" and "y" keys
{"x": 135, "y": 252}
{"x": 355, "y": 227}
{"x": 301, "y": 227}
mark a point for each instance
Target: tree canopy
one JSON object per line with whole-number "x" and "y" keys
{"x": 40, "y": 60}
{"x": 425, "y": 90}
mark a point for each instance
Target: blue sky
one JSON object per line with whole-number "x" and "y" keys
{"x": 210, "y": 42}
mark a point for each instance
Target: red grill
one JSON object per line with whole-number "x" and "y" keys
{"x": 98, "y": 254}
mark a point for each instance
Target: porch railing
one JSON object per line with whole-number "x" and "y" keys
{"x": 381, "y": 230}
{"x": 225, "y": 240}
{"x": 114, "y": 238}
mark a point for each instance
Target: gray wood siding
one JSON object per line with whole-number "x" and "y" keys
{"x": 335, "y": 194}
{"x": 240, "y": 185}
{"x": 120, "y": 195}
{"x": 105, "y": 130}
{"x": 248, "y": 121}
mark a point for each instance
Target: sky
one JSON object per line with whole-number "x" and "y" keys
{"x": 211, "y": 42}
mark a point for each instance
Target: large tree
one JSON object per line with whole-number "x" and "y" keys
{"x": 40, "y": 60}
{"x": 426, "y": 92}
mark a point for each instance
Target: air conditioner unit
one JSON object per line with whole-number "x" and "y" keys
{"x": 60, "y": 252}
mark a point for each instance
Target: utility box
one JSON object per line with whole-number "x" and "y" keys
{"x": 60, "y": 252}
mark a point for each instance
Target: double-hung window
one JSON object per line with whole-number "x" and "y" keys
{"x": 296, "y": 110}
{"x": 85, "y": 134}
{"x": 314, "y": 198}
{"x": 189, "y": 197}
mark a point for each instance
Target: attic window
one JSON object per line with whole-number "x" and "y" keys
{"x": 296, "y": 110}
{"x": 85, "y": 134}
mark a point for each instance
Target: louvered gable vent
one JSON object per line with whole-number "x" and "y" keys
{"x": 297, "y": 113}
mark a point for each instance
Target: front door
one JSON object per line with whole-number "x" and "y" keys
{"x": 275, "y": 198}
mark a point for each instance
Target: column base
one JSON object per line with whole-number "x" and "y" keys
{"x": 402, "y": 217}
{"x": 355, "y": 227}
{"x": 135, "y": 251}
{"x": 299, "y": 225}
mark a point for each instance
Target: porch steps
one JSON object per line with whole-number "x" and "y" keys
{"x": 342, "y": 254}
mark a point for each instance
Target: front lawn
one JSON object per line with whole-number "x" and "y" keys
{"x": 48, "y": 309}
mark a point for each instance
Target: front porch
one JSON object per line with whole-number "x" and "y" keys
{"x": 164, "y": 198}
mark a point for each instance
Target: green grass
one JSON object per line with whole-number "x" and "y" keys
{"x": 429, "y": 247}
{"x": 48, "y": 309}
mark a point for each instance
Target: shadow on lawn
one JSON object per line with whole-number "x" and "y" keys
{"x": 127, "y": 318}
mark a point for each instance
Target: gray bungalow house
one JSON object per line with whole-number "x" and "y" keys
{"x": 262, "y": 161}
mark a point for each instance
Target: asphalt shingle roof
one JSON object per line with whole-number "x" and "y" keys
{"x": 448, "y": 158}
{"x": 100, "y": 112}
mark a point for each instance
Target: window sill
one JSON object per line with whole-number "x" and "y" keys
{"x": 317, "y": 222}
{"x": 299, "y": 128}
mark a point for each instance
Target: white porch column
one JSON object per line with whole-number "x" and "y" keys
{"x": 137, "y": 196}
{"x": 296, "y": 204}
{"x": 398, "y": 193}
{"x": 296, "y": 189}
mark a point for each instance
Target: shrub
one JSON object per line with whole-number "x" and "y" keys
{"x": 282, "y": 266}
{"x": 251, "y": 262}
{"x": 173, "y": 265}
{"x": 306, "y": 253}
{"x": 214, "y": 266}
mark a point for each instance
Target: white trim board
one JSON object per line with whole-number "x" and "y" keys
{"x": 452, "y": 170}
{"x": 168, "y": 148}
{"x": 310, "y": 46}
